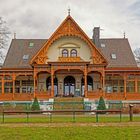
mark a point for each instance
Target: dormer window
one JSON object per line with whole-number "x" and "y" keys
{"x": 26, "y": 57}
{"x": 102, "y": 45}
{"x": 73, "y": 53}
{"x": 65, "y": 53}
{"x": 113, "y": 56}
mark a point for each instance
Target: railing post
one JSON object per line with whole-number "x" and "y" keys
{"x": 50, "y": 116}
{"x": 73, "y": 116}
{"x": 3, "y": 116}
{"x": 120, "y": 116}
{"x": 27, "y": 113}
{"x": 131, "y": 112}
{"x": 97, "y": 119}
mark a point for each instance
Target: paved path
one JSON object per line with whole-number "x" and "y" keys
{"x": 122, "y": 124}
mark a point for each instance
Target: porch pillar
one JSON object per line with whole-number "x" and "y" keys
{"x": 14, "y": 78}
{"x": 125, "y": 77}
{"x": 136, "y": 85}
{"x": 34, "y": 86}
{"x": 85, "y": 81}
{"x": 34, "y": 83}
{"x": 52, "y": 81}
{"x": 103, "y": 86}
{"x": 3, "y": 84}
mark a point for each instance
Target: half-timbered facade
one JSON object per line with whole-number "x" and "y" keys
{"x": 70, "y": 64}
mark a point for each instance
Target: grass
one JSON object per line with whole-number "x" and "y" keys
{"x": 71, "y": 133}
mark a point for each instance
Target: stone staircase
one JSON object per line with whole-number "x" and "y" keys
{"x": 68, "y": 103}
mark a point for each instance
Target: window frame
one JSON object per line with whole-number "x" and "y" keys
{"x": 65, "y": 53}
{"x": 73, "y": 52}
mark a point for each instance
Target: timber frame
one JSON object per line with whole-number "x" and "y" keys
{"x": 129, "y": 89}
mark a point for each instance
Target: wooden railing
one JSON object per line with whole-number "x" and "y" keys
{"x": 69, "y": 59}
{"x": 95, "y": 94}
{"x": 52, "y": 112}
{"x": 113, "y": 96}
{"x": 47, "y": 95}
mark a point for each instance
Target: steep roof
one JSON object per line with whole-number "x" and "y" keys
{"x": 121, "y": 48}
{"x": 20, "y": 47}
{"x": 68, "y": 27}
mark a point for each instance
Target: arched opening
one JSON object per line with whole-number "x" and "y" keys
{"x": 48, "y": 85}
{"x": 69, "y": 86}
{"x": 65, "y": 53}
{"x": 89, "y": 84}
{"x": 73, "y": 53}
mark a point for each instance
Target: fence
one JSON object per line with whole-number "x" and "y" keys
{"x": 63, "y": 109}
{"x": 97, "y": 112}
{"x": 70, "y": 105}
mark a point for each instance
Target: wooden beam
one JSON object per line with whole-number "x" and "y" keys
{"x": 34, "y": 82}
{"x": 136, "y": 85}
{"x": 85, "y": 82}
{"x": 52, "y": 81}
{"x": 3, "y": 84}
{"x": 14, "y": 78}
{"x": 125, "y": 84}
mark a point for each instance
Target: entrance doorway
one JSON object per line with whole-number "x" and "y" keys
{"x": 69, "y": 86}
{"x": 89, "y": 84}
{"x": 48, "y": 85}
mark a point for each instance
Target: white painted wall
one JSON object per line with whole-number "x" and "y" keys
{"x": 55, "y": 49}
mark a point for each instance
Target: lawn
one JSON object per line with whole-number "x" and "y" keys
{"x": 64, "y": 128}
{"x": 70, "y": 133}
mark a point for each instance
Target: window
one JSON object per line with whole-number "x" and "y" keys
{"x": 130, "y": 86}
{"x": 25, "y": 57}
{"x": 73, "y": 53}
{"x": 102, "y": 45}
{"x": 114, "y": 84}
{"x": 65, "y": 53}
{"x": 113, "y": 56}
{"x": 31, "y": 44}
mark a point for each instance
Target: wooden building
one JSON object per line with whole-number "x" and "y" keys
{"x": 67, "y": 64}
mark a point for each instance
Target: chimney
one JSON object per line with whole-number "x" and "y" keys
{"x": 96, "y": 36}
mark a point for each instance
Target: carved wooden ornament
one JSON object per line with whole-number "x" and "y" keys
{"x": 68, "y": 28}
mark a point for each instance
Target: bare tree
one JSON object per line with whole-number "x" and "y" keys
{"x": 137, "y": 54}
{"x": 4, "y": 38}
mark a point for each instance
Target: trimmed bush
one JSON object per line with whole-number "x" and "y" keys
{"x": 101, "y": 104}
{"x": 35, "y": 105}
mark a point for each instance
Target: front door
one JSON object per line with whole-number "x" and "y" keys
{"x": 69, "y": 86}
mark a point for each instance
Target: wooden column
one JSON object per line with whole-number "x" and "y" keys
{"x": 3, "y": 84}
{"x": 14, "y": 78}
{"x": 125, "y": 78}
{"x": 85, "y": 82}
{"x": 34, "y": 83}
{"x": 136, "y": 85}
{"x": 103, "y": 86}
{"x": 52, "y": 81}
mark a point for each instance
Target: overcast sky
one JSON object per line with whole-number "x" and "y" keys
{"x": 40, "y": 18}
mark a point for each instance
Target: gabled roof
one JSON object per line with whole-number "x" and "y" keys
{"x": 122, "y": 49}
{"x": 68, "y": 28}
{"x": 37, "y": 53}
{"x": 19, "y": 48}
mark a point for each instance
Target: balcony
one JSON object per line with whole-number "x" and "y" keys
{"x": 69, "y": 59}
